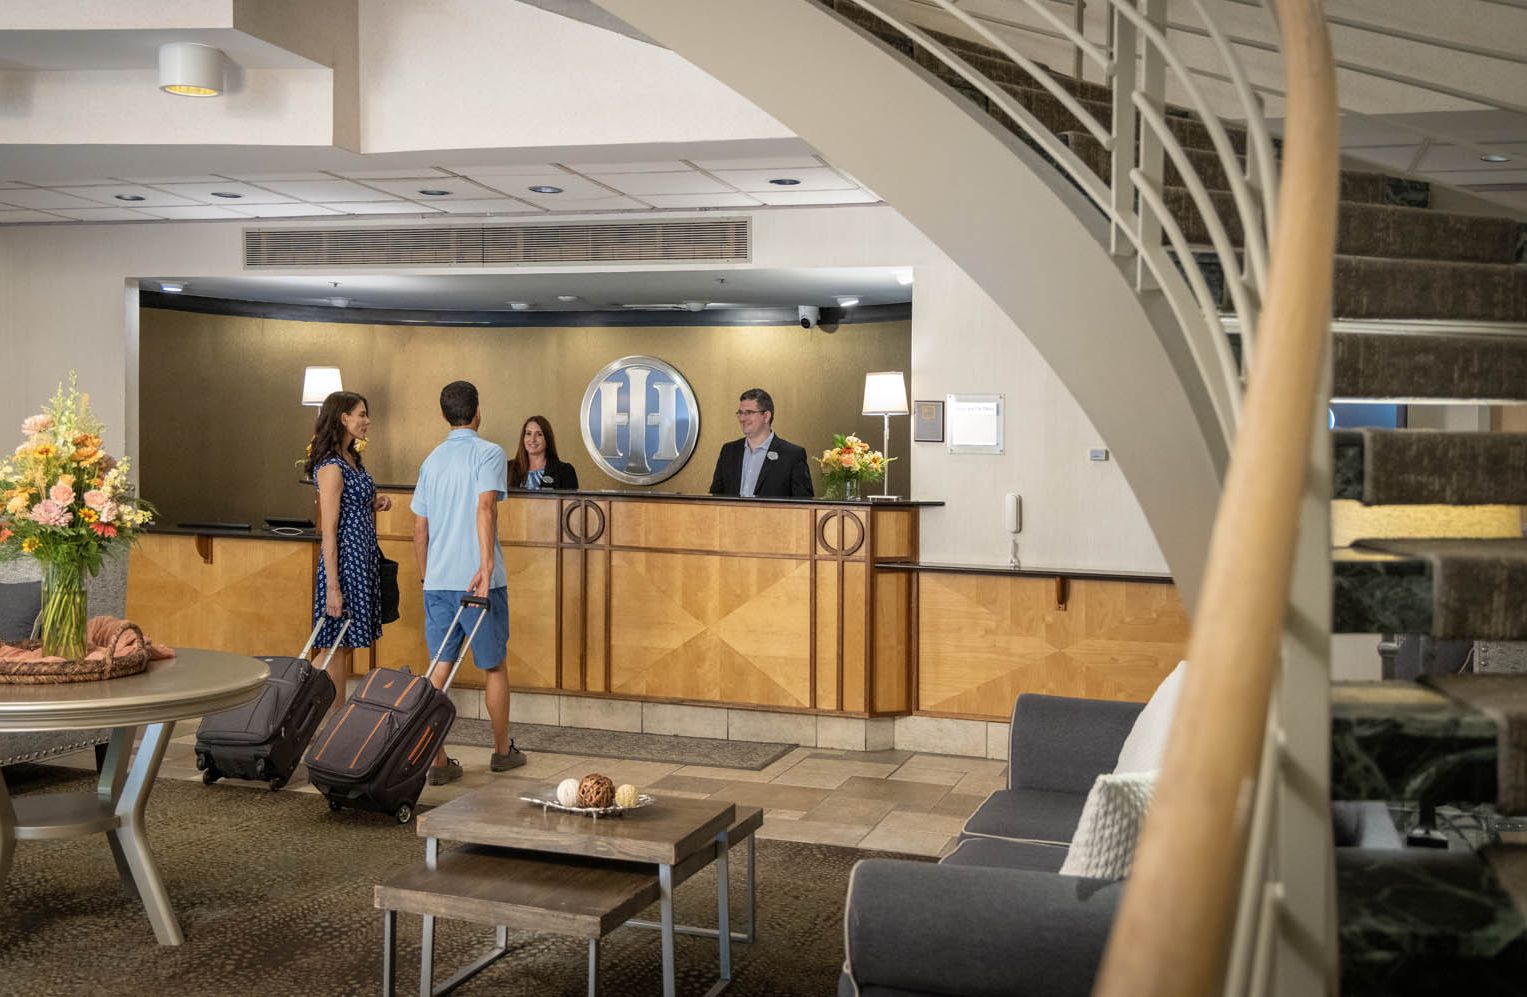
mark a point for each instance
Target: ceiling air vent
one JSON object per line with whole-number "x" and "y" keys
{"x": 721, "y": 240}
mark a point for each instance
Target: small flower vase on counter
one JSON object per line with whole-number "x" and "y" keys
{"x": 851, "y": 490}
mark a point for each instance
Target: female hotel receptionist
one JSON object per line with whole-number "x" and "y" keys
{"x": 536, "y": 465}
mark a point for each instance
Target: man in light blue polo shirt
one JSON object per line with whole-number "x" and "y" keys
{"x": 455, "y": 509}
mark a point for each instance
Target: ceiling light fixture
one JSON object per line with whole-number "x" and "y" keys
{"x": 1494, "y": 157}
{"x": 541, "y": 188}
{"x": 339, "y": 301}
{"x": 226, "y": 193}
{"x": 190, "y": 69}
{"x": 170, "y": 287}
{"x": 435, "y": 193}
{"x": 904, "y": 278}
{"x": 784, "y": 181}
{"x": 520, "y": 306}
{"x": 847, "y": 301}
{"x": 130, "y": 197}
{"x": 567, "y": 297}
{"x": 694, "y": 306}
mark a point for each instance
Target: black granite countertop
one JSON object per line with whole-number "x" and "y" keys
{"x": 253, "y": 533}
{"x": 1029, "y": 571}
{"x": 651, "y": 496}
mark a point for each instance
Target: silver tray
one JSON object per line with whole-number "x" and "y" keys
{"x": 642, "y": 800}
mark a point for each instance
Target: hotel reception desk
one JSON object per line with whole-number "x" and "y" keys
{"x": 786, "y": 605}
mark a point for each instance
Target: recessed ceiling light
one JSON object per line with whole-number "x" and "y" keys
{"x": 1495, "y": 157}
{"x": 542, "y": 188}
{"x": 130, "y": 197}
{"x": 520, "y": 306}
{"x": 226, "y": 193}
{"x": 847, "y": 301}
{"x": 435, "y": 193}
{"x": 784, "y": 181}
{"x": 567, "y": 297}
{"x": 904, "y": 278}
{"x": 170, "y": 287}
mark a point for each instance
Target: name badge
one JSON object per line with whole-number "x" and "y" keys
{"x": 773, "y": 455}
{"x": 548, "y": 480}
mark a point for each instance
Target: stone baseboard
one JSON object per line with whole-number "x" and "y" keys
{"x": 932, "y": 735}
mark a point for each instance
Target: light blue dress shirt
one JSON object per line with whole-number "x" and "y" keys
{"x": 461, "y": 468}
{"x": 752, "y": 464}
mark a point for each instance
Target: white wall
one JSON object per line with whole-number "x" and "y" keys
{"x": 62, "y": 305}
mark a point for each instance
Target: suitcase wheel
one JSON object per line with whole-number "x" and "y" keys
{"x": 260, "y": 768}
{"x": 210, "y": 775}
{"x": 276, "y": 784}
{"x": 334, "y": 805}
{"x": 404, "y": 813}
{"x": 203, "y": 762}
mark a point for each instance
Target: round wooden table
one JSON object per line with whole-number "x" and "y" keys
{"x": 192, "y": 684}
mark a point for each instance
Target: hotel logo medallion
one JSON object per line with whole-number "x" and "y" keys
{"x": 640, "y": 420}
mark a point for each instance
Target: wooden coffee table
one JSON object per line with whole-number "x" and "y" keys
{"x": 673, "y": 834}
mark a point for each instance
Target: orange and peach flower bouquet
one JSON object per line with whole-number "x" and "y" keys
{"x": 68, "y": 504}
{"x": 848, "y": 462}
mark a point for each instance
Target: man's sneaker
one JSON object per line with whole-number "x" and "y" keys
{"x": 511, "y": 759}
{"x": 439, "y": 775}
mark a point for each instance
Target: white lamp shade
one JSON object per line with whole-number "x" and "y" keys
{"x": 885, "y": 393}
{"x": 190, "y": 69}
{"x": 319, "y": 383}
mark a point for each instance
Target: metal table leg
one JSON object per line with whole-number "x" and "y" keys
{"x": 427, "y": 958}
{"x": 724, "y": 908}
{"x": 7, "y": 830}
{"x": 593, "y": 967}
{"x": 665, "y": 894}
{"x": 389, "y": 953}
{"x": 130, "y": 838}
{"x": 752, "y": 893}
{"x": 113, "y": 776}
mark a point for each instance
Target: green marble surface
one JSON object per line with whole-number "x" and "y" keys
{"x": 1380, "y": 593}
{"x": 1400, "y": 742}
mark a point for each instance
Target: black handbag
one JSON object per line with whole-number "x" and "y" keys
{"x": 387, "y": 571}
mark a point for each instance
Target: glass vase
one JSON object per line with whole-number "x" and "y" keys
{"x": 63, "y": 609}
{"x": 851, "y": 490}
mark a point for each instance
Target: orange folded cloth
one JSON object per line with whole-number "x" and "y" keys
{"x": 98, "y": 630}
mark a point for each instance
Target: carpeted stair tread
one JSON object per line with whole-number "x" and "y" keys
{"x": 1502, "y": 698}
{"x": 1402, "y": 742}
{"x": 1404, "y": 366}
{"x": 1462, "y": 589}
{"x": 1429, "y": 467}
{"x": 1376, "y": 287}
{"x": 1414, "y": 921}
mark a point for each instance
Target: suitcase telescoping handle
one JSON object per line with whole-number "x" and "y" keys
{"x": 466, "y": 645}
{"x": 344, "y": 624}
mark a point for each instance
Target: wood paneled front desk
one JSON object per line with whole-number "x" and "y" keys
{"x": 807, "y": 605}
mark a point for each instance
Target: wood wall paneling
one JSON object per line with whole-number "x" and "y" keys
{"x": 855, "y": 635}
{"x": 532, "y": 576}
{"x": 893, "y": 666}
{"x": 723, "y": 527}
{"x": 895, "y": 534}
{"x": 528, "y": 520}
{"x": 983, "y": 639}
{"x": 829, "y": 581}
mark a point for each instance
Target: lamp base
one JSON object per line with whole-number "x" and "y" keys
{"x": 884, "y": 498}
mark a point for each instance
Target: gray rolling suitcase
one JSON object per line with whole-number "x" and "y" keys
{"x": 376, "y": 751}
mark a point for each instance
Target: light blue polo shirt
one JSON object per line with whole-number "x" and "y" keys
{"x": 462, "y": 467}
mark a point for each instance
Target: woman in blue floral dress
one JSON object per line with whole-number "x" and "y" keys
{"x": 347, "y": 507}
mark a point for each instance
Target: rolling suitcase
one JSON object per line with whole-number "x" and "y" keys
{"x": 264, "y": 739}
{"x": 376, "y": 751}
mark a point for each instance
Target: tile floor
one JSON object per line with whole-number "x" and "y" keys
{"x": 898, "y": 801}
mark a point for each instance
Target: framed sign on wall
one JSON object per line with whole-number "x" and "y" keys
{"x": 974, "y": 423}
{"x": 927, "y": 422}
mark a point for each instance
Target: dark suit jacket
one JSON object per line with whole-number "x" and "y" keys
{"x": 559, "y": 476}
{"x": 784, "y": 473}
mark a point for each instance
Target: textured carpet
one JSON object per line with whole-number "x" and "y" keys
{"x": 274, "y": 892}
{"x": 624, "y": 744}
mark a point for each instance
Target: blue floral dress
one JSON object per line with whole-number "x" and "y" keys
{"x": 359, "y": 579}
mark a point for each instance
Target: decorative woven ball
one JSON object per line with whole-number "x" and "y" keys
{"x": 567, "y": 792}
{"x": 596, "y": 791}
{"x": 626, "y": 796}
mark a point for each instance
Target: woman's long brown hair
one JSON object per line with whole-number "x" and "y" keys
{"x": 329, "y": 431}
{"x": 520, "y": 466}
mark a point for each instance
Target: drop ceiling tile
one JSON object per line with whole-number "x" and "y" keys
{"x": 15, "y": 217}
{"x": 149, "y": 197}
{"x": 503, "y": 169}
{"x": 1392, "y": 157}
{"x": 612, "y": 202}
{"x": 103, "y": 214}
{"x": 656, "y": 166}
{"x": 289, "y": 175}
{"x": 194, "y": 211}
{"x": 14, "y": 184}
{"x": 798, "y": 196}
{"x": 380, "y": 174}
{"x": 382, "y": 208}
{"x": 288, "y": 210}
{"x": 720, "y": 200}
{"x": 1460, "y": 178}
{"x": 206, "y": 193}
{"x": 1458, "y": 157}
{"x": 518, "y": 185}
{"x": 203, "y": 178}
{"x": 96, "y": 182}
{"x": 760, "y": 163}
{"x": 488, "y": 206}
{"x": 456, "y": 188}
{"x": 818, "y": 178}
{"x": 326, "y": 191}
{"x": 643, "y": 184}
{"x": 47, "y": 200}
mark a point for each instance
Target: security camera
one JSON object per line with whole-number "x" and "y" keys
{"x": 810, "y": 315}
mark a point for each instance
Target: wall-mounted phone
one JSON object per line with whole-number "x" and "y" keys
{"x": 1012, "y": 518}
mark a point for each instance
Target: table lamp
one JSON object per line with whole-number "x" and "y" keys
{"x": 319, "y": 383}
{"x": 885, "y": 395}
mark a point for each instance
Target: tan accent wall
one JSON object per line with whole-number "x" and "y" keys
{"x": 222, "y": 425}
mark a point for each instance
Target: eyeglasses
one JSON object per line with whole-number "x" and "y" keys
{"x": 748, "y": 411}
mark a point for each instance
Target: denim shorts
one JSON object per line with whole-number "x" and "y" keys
{"x": 489, "y": 647}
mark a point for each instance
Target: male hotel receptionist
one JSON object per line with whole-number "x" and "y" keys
{"x": 760, "y": 465}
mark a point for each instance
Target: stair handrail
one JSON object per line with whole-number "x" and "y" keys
{"x": 1172, "y": 931}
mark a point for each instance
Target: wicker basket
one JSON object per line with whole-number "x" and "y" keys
{"x": 51, "y": 671}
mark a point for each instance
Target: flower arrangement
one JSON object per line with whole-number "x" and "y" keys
{"x": 67, "y": 503}
{"x": 848, "y": 462}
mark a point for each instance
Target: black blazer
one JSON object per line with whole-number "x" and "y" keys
{"x": 559, "y": 476}
{"x": 784, "y": 473}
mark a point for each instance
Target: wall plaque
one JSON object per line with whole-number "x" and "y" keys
{"x": 640, "y": 420}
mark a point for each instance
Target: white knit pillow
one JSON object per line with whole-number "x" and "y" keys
{"x": 1104, "y": 844}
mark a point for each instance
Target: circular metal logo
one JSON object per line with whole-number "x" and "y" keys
{"x": 640, "y": 420}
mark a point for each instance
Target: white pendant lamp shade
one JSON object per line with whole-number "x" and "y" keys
{"x": 190, "y": 69}
{"x": 319, "y": 383}
{"x": 885, "y": 393}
